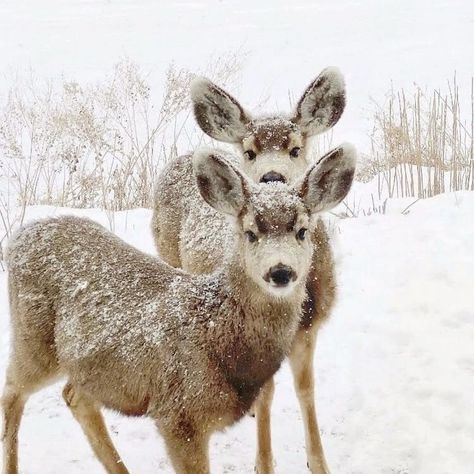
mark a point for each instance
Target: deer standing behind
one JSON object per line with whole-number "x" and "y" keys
{"x": 133, "y": 334}
{"x": 191, "y": 235}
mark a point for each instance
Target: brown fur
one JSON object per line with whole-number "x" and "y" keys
{"x": 200, "y": 246}
{"x": 283, "y": 223}
{"x": 269, "y": 135}
{"x": 136, "y": 335}
{"x": 195, "y": 238}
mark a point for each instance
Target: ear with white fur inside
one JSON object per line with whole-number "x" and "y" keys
{"x": 327, "y": 182}
{"x": 218, "y": 113}
{"x": 220, "y": 183}
{"x": 323, "y": 102}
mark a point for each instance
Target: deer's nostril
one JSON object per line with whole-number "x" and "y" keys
{"x": 272, "y": 177}
{"x": 281, "y": 275}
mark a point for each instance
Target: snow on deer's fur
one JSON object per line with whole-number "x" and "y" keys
{"x": 193, "y": 236}
{"x": 133, "y": 334}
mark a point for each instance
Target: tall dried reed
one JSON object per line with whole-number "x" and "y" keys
{"x": 73, "y": 145}
{"x": 423, "y": 143}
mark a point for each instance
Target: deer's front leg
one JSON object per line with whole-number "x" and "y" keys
{"x": 264, "y": 461}
{"x": 88, "y": 414}
{"x": 301, "y": 361}
{"x": 187, "y": 448}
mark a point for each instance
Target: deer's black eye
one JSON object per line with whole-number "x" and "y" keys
{"x": 295, "y": 152}
{"x": 251, "y": 155}
{"x": 301, "y": 234}
{"x": 251, "y": 236}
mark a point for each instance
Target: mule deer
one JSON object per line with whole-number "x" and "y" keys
{"x": 195, "y": 237}
{"x": 133, "y": 334}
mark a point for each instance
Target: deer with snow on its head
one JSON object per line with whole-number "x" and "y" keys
{"x": 274, "y": 147}
{"x": 191, "y": 235}
{"x": 133, "y": 334}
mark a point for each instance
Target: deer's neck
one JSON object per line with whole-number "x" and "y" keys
{"x": 255, "y": 332}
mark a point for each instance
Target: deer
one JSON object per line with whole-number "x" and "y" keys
{"x": 131, "y": 333}
{"x": 192, "y": 236}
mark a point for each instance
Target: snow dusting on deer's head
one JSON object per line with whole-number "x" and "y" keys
{"x": 273, "y": 222}
{"x": 273, "y": 148}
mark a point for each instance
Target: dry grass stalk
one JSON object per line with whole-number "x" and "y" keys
{"x": 93, "y": 146}
{"x": 422, "y": 145}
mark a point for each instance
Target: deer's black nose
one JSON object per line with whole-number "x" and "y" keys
{"x": 281, "y": 274}
{"x": 272, "y": 176}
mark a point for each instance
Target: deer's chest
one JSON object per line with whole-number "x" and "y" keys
{"x": 247, "y": 367}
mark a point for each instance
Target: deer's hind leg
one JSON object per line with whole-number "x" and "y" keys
{"x": 32, "y": 365}
{"x": 14, "y": 398}
{"x": 88, "y": 414}
{"x": 13, "y": 403}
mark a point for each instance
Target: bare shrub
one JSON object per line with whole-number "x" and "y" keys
{"x": 422, "y": 144}
{"x": 75, "y": 145}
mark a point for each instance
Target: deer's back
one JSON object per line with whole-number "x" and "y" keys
{"x": 109, "y": 301}
{"x": 128, "y": 329}
{"x": 138, "y": 335}
{"x": 188, "y": 233}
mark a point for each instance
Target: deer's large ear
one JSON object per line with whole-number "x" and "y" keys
{"x": 217, "y": 113}
{"x": 327, "y": 182}
{"x": 322, "y": 104}
{"x": 220, "y": 183}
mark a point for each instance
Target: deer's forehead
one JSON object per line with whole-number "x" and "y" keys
{"x": 272, "y": 134}
{"x": 274, "y": 212}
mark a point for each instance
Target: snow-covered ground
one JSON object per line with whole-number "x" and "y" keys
{"x": 394, "y": 365}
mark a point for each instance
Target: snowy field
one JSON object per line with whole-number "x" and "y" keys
{"x": 395, "y": 363}
{"x": 394, "y": 366}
